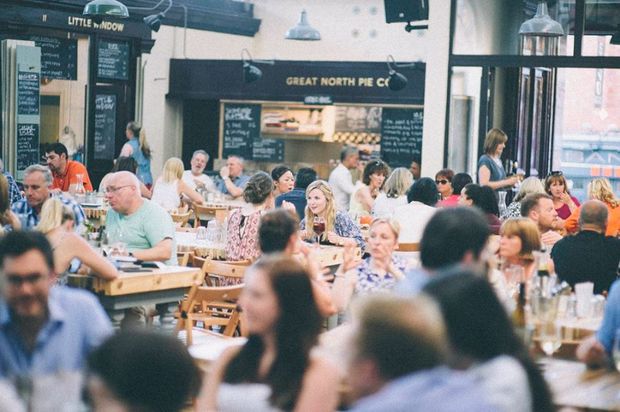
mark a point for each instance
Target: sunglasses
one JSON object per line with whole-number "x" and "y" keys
{"x": 557, "y": 173}
{"x": 442, "y": 182}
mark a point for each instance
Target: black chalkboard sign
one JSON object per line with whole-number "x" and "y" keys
{"x": 241, "y": 129}
{"x": 27, "y": 145}
{"x": 113, "y": 60}
{"x": 401, "y": 136}
{"x": 105, "y": 126}
{"x": 59, "y": 57}
{"x": 360, "y": 119}
{"x": 268, "y": 150}
{"x": 28, "y": 93}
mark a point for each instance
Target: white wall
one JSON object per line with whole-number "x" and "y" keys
{"x": 351, "y": 30}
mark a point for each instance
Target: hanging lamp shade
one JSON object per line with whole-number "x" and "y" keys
{"x": 303, "y": 30}
{"x": 106, "y": 8}
{"x": 541, "y": 24}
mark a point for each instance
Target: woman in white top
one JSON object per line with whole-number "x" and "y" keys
{"x": 414, "y": 216}
{"x": 394, "y": 193}
{"x": 274, "y": 370}
{"x": 57, "y": 225}
{"x": 170, "y": 186}
{"x": 364, "y": 196}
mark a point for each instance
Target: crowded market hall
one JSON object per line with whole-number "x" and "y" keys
{"x": 309, "y": 205}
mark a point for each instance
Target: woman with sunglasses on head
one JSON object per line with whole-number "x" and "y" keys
{"x": 443, "y": 180}
{"x": 490, "y": 169}
{"x": 364, "y": 197}
{"x": 563, "y": 202}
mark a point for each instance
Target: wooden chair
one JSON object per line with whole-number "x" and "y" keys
{"x": 212, "y": 306}
{"x": 206, "y": 213}
{"x": 181, "y": 219}
{"x": 221, "y": 273}
{"x": 408, "y": 247}
{"x": 183, "y": 258}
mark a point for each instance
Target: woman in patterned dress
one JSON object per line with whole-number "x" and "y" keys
{"x": 377, "y": 273}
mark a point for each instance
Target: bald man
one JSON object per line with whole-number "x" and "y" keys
{"x": 589, "y": 256}
{"x": 145, "y": 227}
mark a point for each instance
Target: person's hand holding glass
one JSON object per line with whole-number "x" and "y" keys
{"x": 318, "y": 226}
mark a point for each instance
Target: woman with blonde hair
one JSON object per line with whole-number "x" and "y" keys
{"x": 394, "y": 192}
{"x": 599, "y": 189}
{"x": 57, "y": 225}
{"x": 377, "y": 273}
{"x": 8, "y": 220}
{"x": 322, "y": 220}
{"x": 170, "y": 186}
{"x": 490, "y": 169}
{"x": 138, "y": 148}
{"x": 528, "y": 186}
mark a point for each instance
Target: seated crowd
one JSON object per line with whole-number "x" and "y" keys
{"x": 422, "y": 290}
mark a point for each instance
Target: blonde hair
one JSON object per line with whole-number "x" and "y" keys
{"x": 393, "y": 224}
{"x": 600, "y": 189}
{"x": 529, "y": 186}
{"x": 330, "y": 211}
{"x": 398, "y": 183}
{"x": 53, "y": 214}
{"x": 527, "y": 231}
{"x": 494, "y": 138}
{"x": 173, "y": 170}
{"x": 5, "y": 201}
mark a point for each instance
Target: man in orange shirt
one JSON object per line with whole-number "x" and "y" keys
{"x": 65, "y": 171}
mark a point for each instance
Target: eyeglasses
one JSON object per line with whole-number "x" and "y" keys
{"x": 557, "y": 173}
{"x": 16, "y": 280}
{"x": 442, "y": 182}
{"x": 114, "y": 189}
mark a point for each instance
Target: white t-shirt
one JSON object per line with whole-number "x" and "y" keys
{"x": 190, "y": 180}
{"x": 413, "y": 219}
{"x": 384, "y": 206}
{"x": 341, "y": 182}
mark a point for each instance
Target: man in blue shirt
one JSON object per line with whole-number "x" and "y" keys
{"x": 297, "y": 196}
{"x": 233, "y": 180}
{"x": 14, "y": 193}
{"x": 44, "y": 330}
{"x": 37, "y": 185}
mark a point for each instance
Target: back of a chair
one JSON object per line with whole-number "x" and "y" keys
{"x": 181, "y": 219}
{"x": 408, "y": 247}
{"x": 205, "y": 213}
{"x": 221, "y": 273}
{"x": 183, "y": 258}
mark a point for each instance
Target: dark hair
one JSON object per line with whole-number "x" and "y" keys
{"x": 459, "y": 181}
{"x": 372, "y": 167}
{"x": 258, "y": 188}
{"x": 278, "y": 171}
{"x": 305, "y": 176}
{"x": 18, "y": 242}
{"x": 450, "y": 234}
{"x": 447, "y": 173}
{"x": 139, "y": 366}
{"x": 58, "y": 148}
{"x": 423, "y": 190}
{"x": 125, "y": 163}
{"x": 478, "y": 326}
{"x": 530, "y": 202}
{"x": 483, "y": 198}
{"x": 275, "y": 229}
{"x": 296, "y": 333}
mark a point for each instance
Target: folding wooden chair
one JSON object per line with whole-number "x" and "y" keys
{"x": 205, "y": 213}
{"x": 181, "y": 219}
{"x": 183, "y": 258}
{"x": 221, "y": 272}
{"x": 212, "y": 306}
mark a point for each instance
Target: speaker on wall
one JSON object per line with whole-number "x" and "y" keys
{"x": 404, "y": 11}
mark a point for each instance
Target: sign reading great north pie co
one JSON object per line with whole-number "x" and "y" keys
{"x": 343, "y": 82}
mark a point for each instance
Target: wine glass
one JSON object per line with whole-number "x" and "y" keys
{"x": 514, "y": 275}
{"x": 616, "y": 350}
{"x": 550, "y": 337}
{"x": 318, "y": 226}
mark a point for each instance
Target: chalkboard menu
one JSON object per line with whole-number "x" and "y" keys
{"x": 362, "y": 119}
{"x": 28, "y": 93}
{"x": 401, "y": 136}
{"x": 113, "y": 60}
{"x": 241, "y": 129}
{"x": 27, "y": 145}
{"x": 268, "y": 150}
{"x": 59, "y": 57}
{"x": 105, "y": 126}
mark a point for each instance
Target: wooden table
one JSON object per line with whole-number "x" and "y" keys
{"x": 333, "y": 255}
{"x": 161, "y": 287}
{"x": 575, "y": 386}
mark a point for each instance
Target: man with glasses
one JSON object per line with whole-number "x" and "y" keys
{"x": 45, "y": 332}
{"x": 37, "y": 187}
{"x": 65, "y": 171}
{"x": 145, "y": 227}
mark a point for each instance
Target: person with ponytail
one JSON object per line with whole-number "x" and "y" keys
{"x": 138, "y": 148}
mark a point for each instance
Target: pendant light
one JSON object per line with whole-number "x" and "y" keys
{"x": 541, "y": 24}
{"x": 105, "y": 8}
{"x": 303, "y": 30}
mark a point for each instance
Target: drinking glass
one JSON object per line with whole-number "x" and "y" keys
{"x": 616, "y": 350}
{"x": 514, "y": 274}
{"x": 201, "y": 234}
{"x": 106, "y": 246}
{"x": 318, "y": 226}
{"x": 550, "y": 337}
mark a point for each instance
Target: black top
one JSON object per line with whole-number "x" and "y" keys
{"x": 587, "y": 257}
{"x": 296, "y": 197}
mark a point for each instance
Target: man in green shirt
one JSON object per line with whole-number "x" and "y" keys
{"x": 146, "y": 228}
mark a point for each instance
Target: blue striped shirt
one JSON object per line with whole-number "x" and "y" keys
{"x": 15, "y": 194}
{"x": 31, "y": 218}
